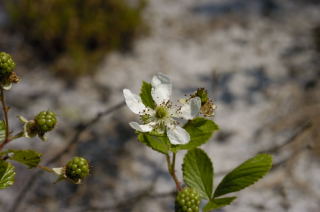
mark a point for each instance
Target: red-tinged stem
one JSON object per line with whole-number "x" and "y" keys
{"x": 171, "y": 169}
{"x": 5, "y": 110}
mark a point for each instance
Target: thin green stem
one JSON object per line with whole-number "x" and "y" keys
{"x": 171, "y": 169}
{"x": 44, "y": 168}
{"x": 16, "y": 136}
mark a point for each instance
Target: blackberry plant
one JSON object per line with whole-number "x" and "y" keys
{"x": 42, "y": 123}
{"x": 161, "y": 130}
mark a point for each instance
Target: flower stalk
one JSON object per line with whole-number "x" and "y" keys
{"x": 171, "y": 168}
{"x": 44, "y": 168}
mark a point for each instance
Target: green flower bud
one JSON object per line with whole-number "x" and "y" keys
{"x": 203, "y": 94}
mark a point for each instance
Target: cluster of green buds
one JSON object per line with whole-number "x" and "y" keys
{"x": 44, "y": 122}
{"x": 75, "y": 171}
{"x": 187, "y": 200}
{"x": 7, "y": 76}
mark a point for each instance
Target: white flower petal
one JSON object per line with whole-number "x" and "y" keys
{"x": 183, "y": 100}
{"x": 141, "y": 127}
{"x": 7, "y": 86}
{"x": 149, "y": 112}
{"x": 58, "y": 171}
{"x": 134, "y": 102}
{"x": 178, "y": 135}
{"x": 175, "y": 111}
{"x": 161, "y": 88}
{"x": 191, "y": 109}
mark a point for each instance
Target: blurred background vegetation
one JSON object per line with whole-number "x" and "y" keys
{"x": 74, "y": 35}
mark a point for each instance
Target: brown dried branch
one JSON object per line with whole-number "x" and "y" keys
{"x": 290, "y": 139}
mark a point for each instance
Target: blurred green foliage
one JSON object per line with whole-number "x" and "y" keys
{"x": 74, "y": 35}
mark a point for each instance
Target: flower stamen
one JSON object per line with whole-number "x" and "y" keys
{"x": 161, "y": 112}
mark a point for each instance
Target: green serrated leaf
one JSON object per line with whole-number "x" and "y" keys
{"x": 244, "y": 175}
{"x": 6, "y": 174}
{"x": 145, "y": 94}
{"x": 29, "y": 158}
{"x": 200, "y": 131}
{"x": 218, "y": 203}
{"x": 2, "y": 131}
{"x": 198, "y": 172}
{"x": 158, "y": 143}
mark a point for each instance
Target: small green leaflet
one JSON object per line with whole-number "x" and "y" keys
{"x": 218, "y": 203}
{"x": 2, "y": 131}
{"x": 244, "y": 175}
{"x": 29, "y": 158}
{"x": 200, "y": 131}
{"x": 158, "y": 143}
{"x": 198, "y": 172}
{"x": 145, "y": 94}
{"x": 6, "y": 174}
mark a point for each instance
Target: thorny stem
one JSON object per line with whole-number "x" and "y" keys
{"x": 171, "y": 169}
{"x": 5, "y": 110}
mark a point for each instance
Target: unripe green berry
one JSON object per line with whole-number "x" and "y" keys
{"x": 45, "y": 121}
{"x": 187, "y": 200}
{"x": 77, "y": 169}
{"x": 6, "y": 63}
